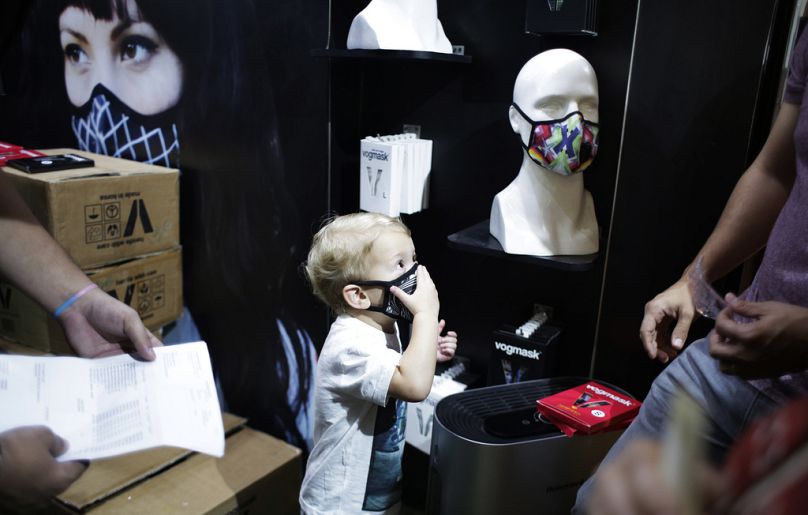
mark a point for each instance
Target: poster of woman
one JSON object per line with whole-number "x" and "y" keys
{"x": 188, "y": 84}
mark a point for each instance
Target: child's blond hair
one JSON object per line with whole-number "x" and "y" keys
{"x": 339, "y": 250}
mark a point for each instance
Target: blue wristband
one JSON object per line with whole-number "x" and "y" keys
{"x": 69, "y": 302}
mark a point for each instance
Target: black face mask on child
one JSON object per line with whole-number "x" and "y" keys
{"x": 391, "y": 306}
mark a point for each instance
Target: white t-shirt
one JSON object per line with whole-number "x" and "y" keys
{"x": 355, "y": 465}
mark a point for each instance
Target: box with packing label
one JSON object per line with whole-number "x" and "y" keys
{"x": 115, "y": 210}
{"x": 150, "y": 284}
{"x": 257, "y": 474}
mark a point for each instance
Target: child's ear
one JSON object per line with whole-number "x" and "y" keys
{"x": 355, "y": 297}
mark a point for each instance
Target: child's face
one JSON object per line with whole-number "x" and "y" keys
{"x": 392, "y": 254}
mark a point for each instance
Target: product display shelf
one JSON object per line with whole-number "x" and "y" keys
{"x": 386, "y": 55}
{"x": 477, "y": 239}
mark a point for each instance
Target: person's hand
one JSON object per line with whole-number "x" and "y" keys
{"x": 447, "y": 345}
{"x": 633, "y": 483}
{"x": 29, "y": 472}
{"x": 672, "y": 305}
{"x": 773, "y": 343}
{"x": 99, "y": 325}
{"x": 424, "y": 300}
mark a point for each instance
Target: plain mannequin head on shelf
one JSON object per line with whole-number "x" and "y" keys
{"x": 399, "y": 25}
{"x": 546, "y": 211}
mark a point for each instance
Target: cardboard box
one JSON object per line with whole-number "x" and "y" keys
{"x": 116, "y": 210}
{"x": 151, "y": 284}
{"x": 258, "y": 474}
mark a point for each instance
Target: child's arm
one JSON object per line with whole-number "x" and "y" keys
{"x": 412, "y": 380}
{"x": 447, "y": 345}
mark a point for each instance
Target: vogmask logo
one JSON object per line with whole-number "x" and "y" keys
{"x": 510, "y": 350}
{"x": 370, "y": 155}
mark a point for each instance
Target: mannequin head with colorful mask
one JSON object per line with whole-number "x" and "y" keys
{"x": 546, "y": 211}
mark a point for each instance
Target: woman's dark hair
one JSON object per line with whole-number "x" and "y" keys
{"x": 238, "y": 223}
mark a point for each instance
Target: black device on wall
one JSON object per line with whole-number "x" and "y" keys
{"x": 570, "y": 17}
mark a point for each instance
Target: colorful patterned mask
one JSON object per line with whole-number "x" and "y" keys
{"x": 565, "y": 145}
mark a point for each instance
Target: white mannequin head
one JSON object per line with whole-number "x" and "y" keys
{"x": 546, "y": 211}
{"x": 551, "y": 86}
{"x": 399, "y": 25}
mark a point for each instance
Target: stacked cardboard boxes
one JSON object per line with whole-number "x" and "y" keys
{"x": 258, "y": 474}
{"x": 119, "y": 221}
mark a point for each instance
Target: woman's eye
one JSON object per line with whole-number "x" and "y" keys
{"x": 75, "y": 54}
{"x": 137, "y": 49}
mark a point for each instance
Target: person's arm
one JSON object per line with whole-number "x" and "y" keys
{"x": 412, "y": 379}
{"x": 29, "y": 472}
{"x": 742, "y": 230}
{"x": 755, "y": 202}
{"x": 95, "y": 324}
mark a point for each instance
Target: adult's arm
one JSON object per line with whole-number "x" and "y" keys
{"x": 742, "y": 230}
{"x": 96, "y": 324}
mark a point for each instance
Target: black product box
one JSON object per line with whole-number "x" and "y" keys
{"x": 515, "y": 358}
{"x": 562, "y": 17}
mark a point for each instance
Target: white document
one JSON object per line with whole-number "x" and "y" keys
{"x": 109, "y": 406}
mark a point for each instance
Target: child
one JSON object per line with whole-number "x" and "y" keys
{"x": 363, "y": 267}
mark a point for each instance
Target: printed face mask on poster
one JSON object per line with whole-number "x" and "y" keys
{"x": 124, "y": 83}
{"x": 105, "y": 125}
{"x": 565, "y": 145}
{"x": 390, "y": 305}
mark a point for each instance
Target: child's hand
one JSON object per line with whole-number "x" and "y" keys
{"x": 446, "y": 344}
{"x": 425, "y": 297}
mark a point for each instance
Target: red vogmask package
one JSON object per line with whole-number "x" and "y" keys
{"x": 18, "y": 153}
{"x": 588, "y": 408}
{"x": 8, "y": 147}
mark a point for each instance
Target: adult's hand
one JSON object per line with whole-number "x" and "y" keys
{"x": 29, "y": 472}
{"x": 672, "y": 306}
{"x": 99, "y": 325}
{"x": 633, "y": 483}
{"x": 773, "y": 343}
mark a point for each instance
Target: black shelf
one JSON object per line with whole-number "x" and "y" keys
{"x": 477, "y": 239}
{"x": 388, "y": 55}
